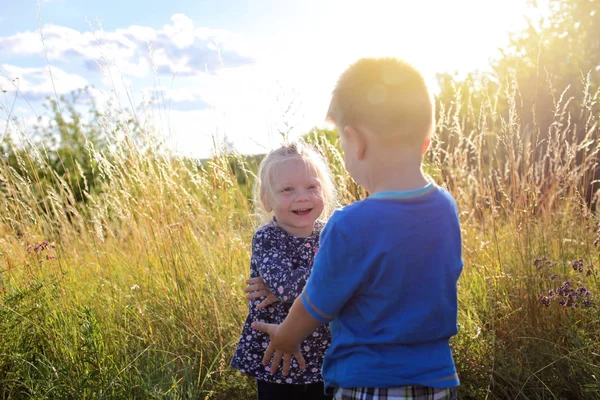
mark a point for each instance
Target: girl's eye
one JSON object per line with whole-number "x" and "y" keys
{"x": 311, "y": 187}
{"x": 288, "y": 189}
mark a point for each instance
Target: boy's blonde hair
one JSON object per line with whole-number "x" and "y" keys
{"x": 312, "y": 159}
{"x": 386, "y": 95}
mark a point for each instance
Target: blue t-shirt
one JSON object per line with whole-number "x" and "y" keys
{"x": 385, "y": 278}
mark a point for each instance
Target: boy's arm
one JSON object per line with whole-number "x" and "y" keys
{"x": 340, "y": 270}
{"x": 336, "y": 277}
{"x": 292, "y": 331}
{"x": 285, "y": 339}
{"x": 281, "y": 280}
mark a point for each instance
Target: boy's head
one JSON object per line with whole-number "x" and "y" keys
{"x": 387, "y": 96}
{"x": 386, "y": 102}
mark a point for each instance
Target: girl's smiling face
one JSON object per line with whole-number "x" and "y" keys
{"x": 296, "y": 197}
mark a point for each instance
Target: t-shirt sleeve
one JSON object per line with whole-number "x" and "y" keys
{"x": 335, "y": 276}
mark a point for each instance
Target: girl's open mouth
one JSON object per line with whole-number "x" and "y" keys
{"x": 302, "y": 211}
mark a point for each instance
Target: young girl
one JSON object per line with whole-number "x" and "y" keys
{"x": 293, "y": 189}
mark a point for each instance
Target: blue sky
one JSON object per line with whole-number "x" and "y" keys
{"x": 230, "y": 67}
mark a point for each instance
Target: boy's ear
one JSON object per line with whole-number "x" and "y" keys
{"x": 359, "y": 139}
{"x": 426, "y": 145}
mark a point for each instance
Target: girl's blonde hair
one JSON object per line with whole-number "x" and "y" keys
{"x": 312, "y": 159}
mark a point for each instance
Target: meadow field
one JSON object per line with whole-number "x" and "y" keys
{"x": 135, "y": 290}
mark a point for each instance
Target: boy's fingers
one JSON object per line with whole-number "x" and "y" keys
{"x": 300, "y": 359}
{"x": 268, "y": 355}
{"x": 276, "y": 361}
{"x": 287, "y": 361}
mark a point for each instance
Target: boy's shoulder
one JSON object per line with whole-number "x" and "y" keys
{"x": 348, "y": 210}
{"x": 373, "y": 208}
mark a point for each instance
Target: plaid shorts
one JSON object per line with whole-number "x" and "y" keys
{"x": 400, "y": 393}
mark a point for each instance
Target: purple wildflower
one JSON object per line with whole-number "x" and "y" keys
{"x": 577, "y": 265}
{"x": 545, "y": 301}
{"x": 539, "y": 262}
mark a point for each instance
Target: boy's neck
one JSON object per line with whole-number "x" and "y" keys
{"x": 395, "y": 171}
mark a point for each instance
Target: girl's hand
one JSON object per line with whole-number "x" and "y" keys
{"x": 278, "y": 350}
{"x": 258, "y": 289}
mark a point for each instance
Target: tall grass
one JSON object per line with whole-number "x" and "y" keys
{"x": 137, "y": 292}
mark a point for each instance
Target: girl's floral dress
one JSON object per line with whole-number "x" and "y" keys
{"x": 284, "y": 262}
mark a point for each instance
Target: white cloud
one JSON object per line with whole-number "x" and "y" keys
{"x": 241, "y": 110}
{"x": 205, "y": 101}
{"x": 181, "y": 99}
{"x": 178, "y": 48}
{"x": 36, "y": 84}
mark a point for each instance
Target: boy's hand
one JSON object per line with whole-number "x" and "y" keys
{"x": 278, "y": 350}
{"x": 258, "y": 289}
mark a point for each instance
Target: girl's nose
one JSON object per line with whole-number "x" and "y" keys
{"x": 302, "y": 195}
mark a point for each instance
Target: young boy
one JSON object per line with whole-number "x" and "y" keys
{"x": 386, "y": 273}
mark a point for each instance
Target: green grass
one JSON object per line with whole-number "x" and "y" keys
{"x": 139, "y": 293}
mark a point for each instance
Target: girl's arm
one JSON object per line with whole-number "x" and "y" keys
{"x": 272, "y": 264}
{"x": 257, "y": 289}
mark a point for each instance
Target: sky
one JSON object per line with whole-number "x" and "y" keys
{"x": 229, "y": 70}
